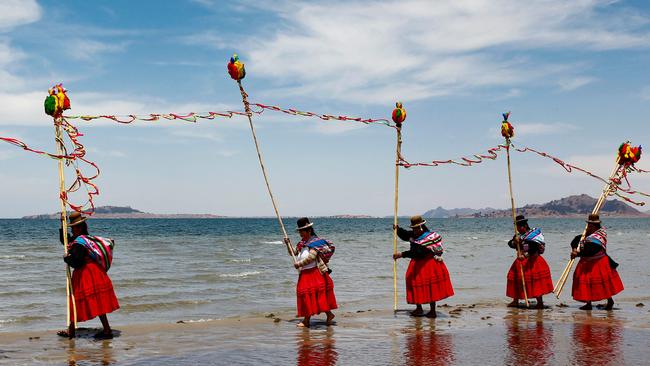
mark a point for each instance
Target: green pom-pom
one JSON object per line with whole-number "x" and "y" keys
{"x": 50, "y": 105}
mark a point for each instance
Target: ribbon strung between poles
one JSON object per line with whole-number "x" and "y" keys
{"x": 238, "y": 72}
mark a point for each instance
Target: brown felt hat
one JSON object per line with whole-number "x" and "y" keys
{"x": 417, "y": 221}
{"x": 76, "y": 218}
{"x": 593, "y": 219}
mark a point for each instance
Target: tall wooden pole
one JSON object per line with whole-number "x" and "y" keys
{"x": 266, "y": 179}
{"x": 397, "y": 161}
{"x": 514, "y": 221}
{"x": 607, "y": 189}
{"x": 71, "y": 319}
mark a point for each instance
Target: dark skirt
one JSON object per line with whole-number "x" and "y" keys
{"x": 93, "y": 292}
{"x": 595, "y": 279}
{"x": 427, "y": 280}
{"x": 537, "y": 275}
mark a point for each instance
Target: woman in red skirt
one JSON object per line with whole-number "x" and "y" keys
{"x": 595, "y": 277}
{"x": 315, "y": 288}
{"x": 91, "y": 257}
{"x": 537, "y": 273}
{"x": 427, "y": 278}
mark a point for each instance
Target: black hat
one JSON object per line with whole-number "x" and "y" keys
{"x": 303, "y": 223}
{"x": 593, "y": 219}
{"x": 520, "y": 219}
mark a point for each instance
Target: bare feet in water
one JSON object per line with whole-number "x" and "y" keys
{"x": 417, "y": 312}
{"x": 330, "y": 318}
{"x": 432, "y": 314}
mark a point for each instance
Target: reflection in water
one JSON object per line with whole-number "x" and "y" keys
{"x": 426, "y": 347}
{"x": 597, "y": 343}
{"x": 529, "y": 341}
{"x": 316, "y": 348}
{"x": 97, "y": 353}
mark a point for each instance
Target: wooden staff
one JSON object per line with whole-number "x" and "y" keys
{"x": 247, "y": 108}
{"x": 397, "y": 160}
{"x": 71, "y": 321}
{"x": 514, "y": 222}
{"x": 607, "y": 189}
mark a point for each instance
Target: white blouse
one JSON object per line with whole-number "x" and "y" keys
{"x": 304, "y": 253}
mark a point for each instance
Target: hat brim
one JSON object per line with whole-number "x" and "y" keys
{"x": 305, "y": 227}
{"x": 593, "y": 222}
{"x": 78, "y": 222}
{"x": 418, "y": 225}
{"x": 521, "y": 221}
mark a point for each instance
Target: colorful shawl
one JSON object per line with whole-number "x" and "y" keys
{"x": 325, "y": 248}
{"x": 599, "y": 237}
{"x": 99, "y": 249}
{"x": 534, "y": 235}
{"x": 431, "y": 240}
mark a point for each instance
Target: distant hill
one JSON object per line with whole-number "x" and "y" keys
{"x": 572, "y": 206}
{"x": 441, "y": 213}
{"x": 126, "y": 212}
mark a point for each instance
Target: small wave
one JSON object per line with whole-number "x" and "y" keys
{"x": 273, "y": 242}
{"x": 12, "y": 256}
{"x": 242, "y": 274}
{"x": 471, "y": 238}
{"x": 198, "y": 320}
{"x": 246, "y": 260}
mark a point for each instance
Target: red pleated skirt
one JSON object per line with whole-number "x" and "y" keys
{"x": 537, "y": 275}
{"x": 93, "y": 292}
{"x": 312, "y": 294}
{"x": 329, "y": 290}
{"x": 427, "y": 280}
{"x": 595, "y": 279}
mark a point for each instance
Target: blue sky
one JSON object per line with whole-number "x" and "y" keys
{"x": 574, "y": 75}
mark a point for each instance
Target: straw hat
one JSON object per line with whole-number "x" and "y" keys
{"x": 593, "y": 219}
{"x": 75, "y": 218}
{"x": 303, "y": 223}
{"x": 417, "y": 221}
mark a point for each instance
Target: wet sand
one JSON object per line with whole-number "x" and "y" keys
{"x": 463, "y": 334}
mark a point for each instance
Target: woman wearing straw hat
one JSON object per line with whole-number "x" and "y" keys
{"x": 537, "y": 273}
{"x": 315, "y": 288}
{"x": 427, "y": 278}
{"x": 91, "y": 257}
{"x": 595, "y": 277}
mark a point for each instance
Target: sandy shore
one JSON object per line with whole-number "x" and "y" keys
{"x": 462, "y": 334}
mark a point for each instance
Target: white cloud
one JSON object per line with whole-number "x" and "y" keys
{"x": 14, "y": 13}
{"x": 575, "y": 83}
{"x": 89, "y": 49}
{"x": 370, "y": 52}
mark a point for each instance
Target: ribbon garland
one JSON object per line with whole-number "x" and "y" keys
{"x": 492, "y": 154}
{"x": 259, "y": 109}
{"x": 24, "y": 146}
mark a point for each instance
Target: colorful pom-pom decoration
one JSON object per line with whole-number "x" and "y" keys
{"x": 507, "y": 130}
{"x": 57, "y": 101}
{"x": 399, "y": 113}
{"x": 628, "y": 154}
{"x": 236, "y": 68}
